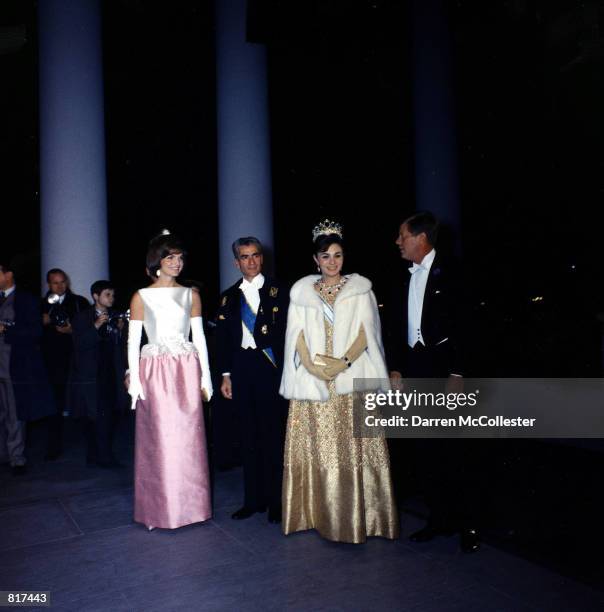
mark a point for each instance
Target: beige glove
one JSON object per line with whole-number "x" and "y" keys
{"x": 304, "y": 354}
{"x": 357, "y": 348}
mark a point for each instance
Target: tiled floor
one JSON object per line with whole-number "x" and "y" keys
{"x": 68, "y": 529}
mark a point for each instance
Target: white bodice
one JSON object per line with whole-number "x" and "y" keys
{"x": 167, "y": 320}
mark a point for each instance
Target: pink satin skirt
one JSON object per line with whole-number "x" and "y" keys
{"x": 171, "y": 476}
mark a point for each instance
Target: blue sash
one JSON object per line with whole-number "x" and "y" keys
{"x": 328, "y": 311}
{"x": 248, "y": 318}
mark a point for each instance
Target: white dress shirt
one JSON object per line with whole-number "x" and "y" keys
{"x": 252, "y": 295}
{"x": 415, "y": 304}
{"x": 8, "y": 291}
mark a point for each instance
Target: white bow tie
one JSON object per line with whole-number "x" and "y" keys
{"x": 246, "y": 286}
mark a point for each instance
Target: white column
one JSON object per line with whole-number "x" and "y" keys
{"x": 73, "y": 198}
{"x": 245, "y": 206}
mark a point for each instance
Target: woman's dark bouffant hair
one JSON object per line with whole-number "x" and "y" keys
{"x": 324, "y": 241}
{"x": 161, "y": 246}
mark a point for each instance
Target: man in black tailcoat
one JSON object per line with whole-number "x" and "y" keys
{"x": 250, "y": 337}
{"x": 423, "y": 340}
{"x": 98, "y": 394}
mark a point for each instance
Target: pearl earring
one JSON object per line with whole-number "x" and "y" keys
{"x": 318, "y": 268}
{"x": 157, "y": 273}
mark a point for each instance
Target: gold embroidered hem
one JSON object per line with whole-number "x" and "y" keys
{"x": 332, "y": 482}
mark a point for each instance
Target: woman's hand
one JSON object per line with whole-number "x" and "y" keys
{"x": 318, "y": 371}
{"x": 334, "y": 366}
{"x": 135, "y": 391}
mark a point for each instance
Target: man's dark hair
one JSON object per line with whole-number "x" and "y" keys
{"x": 99, "y": 286}
{"x": 55, "y": 271}
{"x": 245, "y": 241}
{"x": 424, "y": 222}
{"x": 5, "y": 266}
{"x": 161, "y": 246}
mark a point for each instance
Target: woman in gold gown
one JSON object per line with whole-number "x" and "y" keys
{"x": 333, "y": 482}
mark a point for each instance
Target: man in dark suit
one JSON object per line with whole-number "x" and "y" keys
{"x": 24, "y": 391}
{"x": 423, "y": 341}
{"x": 250, "y": 337}
{"x": 98, "y": 394}
{"x": 57, "y": 348}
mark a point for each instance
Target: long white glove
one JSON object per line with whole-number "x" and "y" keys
{"x": 135, "y": 389}
{"x": 199, "y": 341}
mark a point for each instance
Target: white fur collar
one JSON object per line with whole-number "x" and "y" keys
{"x": 303, "y": 292}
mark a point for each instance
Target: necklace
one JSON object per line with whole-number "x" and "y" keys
{"x": 330, "y": 290}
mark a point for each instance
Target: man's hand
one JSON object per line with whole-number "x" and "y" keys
{"x": 2, "y": 328}
{"x": 396, "y": 378}
{"x": 101, "y": 320}
{"x": 45, "y": 319}
{"x": 454, "y": 384}
{"x": 65, "y": 329}
{"x": 226, "y": 388}
{"x": 127, "y": 381}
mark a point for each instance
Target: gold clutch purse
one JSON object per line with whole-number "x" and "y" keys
{"x": 320, "y": 360}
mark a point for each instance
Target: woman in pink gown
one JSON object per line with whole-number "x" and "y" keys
{"x": 167, "y": 380}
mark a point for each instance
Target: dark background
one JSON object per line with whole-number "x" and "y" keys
{"x": 529, "y": 93}
{"x": 529, "y": 79}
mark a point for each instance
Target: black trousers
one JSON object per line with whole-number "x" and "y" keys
{"x": 54, "y": 423}
{"x": 226, "y": 435}
{"x": 262, "y": 413}
{"x": 448, "y": 473}
{"x": 99, "y": 436}
{"x": 57, "y": 354}
{"x": 446, "y": 470}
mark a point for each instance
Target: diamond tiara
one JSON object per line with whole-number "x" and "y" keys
{"x": 325, "y": 228}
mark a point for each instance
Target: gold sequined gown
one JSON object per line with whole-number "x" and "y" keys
{"x": 332, "y": 482}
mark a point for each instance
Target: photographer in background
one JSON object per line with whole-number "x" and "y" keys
{"x": 24, "y": 391}
{"x": 98, "y": 394}
{"x": 59, "y": 307}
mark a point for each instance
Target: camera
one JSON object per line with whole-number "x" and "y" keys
{"x": 111, "y": 327}
{"x": 7, "y": 323}
{"x": 115, "y": 316}
{"x": 58, "y": 315}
